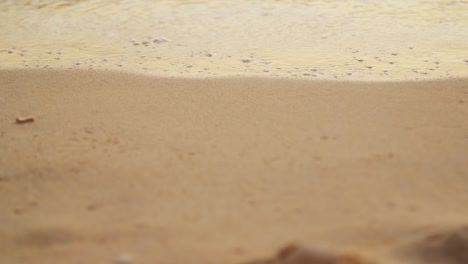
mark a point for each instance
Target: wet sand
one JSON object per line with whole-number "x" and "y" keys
{"x": 315, "y": 40}
{"x": 230, "y": 170}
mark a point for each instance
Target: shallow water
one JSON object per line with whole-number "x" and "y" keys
{"x": 316, "y": 39}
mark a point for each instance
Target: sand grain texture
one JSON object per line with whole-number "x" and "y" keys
{"x": 229, "y": 170}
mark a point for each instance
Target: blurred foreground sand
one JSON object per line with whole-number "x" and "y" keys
{"x": 230, "y": 170}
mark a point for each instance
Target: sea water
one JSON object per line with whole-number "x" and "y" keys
{"x": 312, "y": 39}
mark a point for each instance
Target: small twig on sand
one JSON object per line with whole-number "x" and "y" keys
{"x": 23, "y": 120}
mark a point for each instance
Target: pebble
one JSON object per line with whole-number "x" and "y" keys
{"x": 296, "y": 254}
{"x": 160, "y": 40}
{"x": 123, "y": 259}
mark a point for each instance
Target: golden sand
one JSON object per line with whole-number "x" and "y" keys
{"x": 243, "y": 132}
{"x": 154, "y": 170}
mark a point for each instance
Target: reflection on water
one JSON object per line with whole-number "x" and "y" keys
{"x": 318, "y": 39}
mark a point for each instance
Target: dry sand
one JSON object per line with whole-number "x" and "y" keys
{"x": 143, "y": 169}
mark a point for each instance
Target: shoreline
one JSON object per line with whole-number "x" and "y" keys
{"x": 312, "y": 40}
{"x": 226, "y": 170}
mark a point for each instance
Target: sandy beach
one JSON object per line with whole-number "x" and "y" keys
{"x": 140, "y": 169}
{"x": 234, "y": 132}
